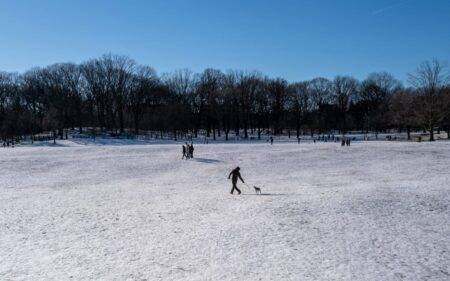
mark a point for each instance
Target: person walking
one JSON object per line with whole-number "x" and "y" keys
{"x": 235, "y": 174}
{"x": 191, "y": 150}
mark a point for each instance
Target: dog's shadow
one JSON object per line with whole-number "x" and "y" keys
{"x": 266, "y": 194}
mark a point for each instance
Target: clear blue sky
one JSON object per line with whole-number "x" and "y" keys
{"x": 295, "y": 40}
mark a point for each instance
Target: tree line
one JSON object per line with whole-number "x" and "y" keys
{"x": 115, "y": 94}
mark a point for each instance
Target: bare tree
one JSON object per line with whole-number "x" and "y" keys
{"x": 344, "y": 91}
{"x": 374, "y": 96}
{"x": 321, "y": 90}
{"x": 119, "y": 71}
{"x": 208, "y": 89}
{"x": 142, "y": 84}
{"x": 74, "y": 86}
{"x": 300, "y": 102}
{"x": 248, "y": 85}
{"x": 277, "y": 93}
{"x": 430, "y": 79}
{"x": 12, "y": 114}
{"x": 446, "y": 119}
{"x": 401, "y": 110}
{"x": 228, "y": 97}
{"x": 183, "y": 84}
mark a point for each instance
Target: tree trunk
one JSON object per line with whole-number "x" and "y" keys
{"x": 121, "y": 125}
{"x": 80, "y": 123}
{"x": 237, "y": 125}
{"x": 208, "y": 126}
{"x": 136, "y": 126}
{"x": 408, "y": 132}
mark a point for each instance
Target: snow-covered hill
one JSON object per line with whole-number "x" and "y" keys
{"x": 372, "y": 211}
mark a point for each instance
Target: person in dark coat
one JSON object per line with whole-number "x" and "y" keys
{"x": 235, "y": 175}
{"x": 191, "y": 150}
{"x": 184, "y": 153}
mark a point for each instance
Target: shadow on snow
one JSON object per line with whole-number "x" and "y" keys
{"x": 266, "y": 194}
{"x": 205, "y": 160}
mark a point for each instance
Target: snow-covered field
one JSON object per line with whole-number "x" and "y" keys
{"x": 372, "y": 211}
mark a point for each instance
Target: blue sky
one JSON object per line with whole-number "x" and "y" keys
{"x": 296, "y": 40}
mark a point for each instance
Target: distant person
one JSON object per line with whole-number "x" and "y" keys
{"x": 188, "y": 151}
{"x": 184, "y": 153}
{"x": 271, "y": 140}
{"x": 191, "y": 150}
{"x": 235, "y": 175}
{"x": 343, "y": 142}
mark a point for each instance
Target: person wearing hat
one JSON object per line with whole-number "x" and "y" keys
{"x": 235, "y": 175}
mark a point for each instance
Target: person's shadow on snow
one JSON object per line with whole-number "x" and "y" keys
{"x": 206, "y": 160}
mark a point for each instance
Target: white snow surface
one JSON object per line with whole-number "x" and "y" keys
{"x": 371, "y": 211}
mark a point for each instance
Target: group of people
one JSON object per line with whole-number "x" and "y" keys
{"x": 345, "y": 142}
{"x": 188, "y": 151}
{"x": 8, "y": 143}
